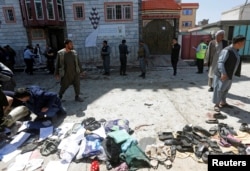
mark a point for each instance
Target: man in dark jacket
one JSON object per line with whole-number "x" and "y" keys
{"x": 42, "y": 103}
{"x": 123, "y": 50}
{"x": 228, "y": 66}
{"x": 175, "y": 54}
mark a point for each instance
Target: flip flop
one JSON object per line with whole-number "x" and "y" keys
{"x": 212, "y": 121}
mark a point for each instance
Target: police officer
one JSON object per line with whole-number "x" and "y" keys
{"x": 200, "y": 55}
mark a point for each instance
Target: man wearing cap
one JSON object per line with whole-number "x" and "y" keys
{"x": 212, "y": 54}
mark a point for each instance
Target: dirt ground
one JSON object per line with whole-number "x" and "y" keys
{"x": 162, "y": 101}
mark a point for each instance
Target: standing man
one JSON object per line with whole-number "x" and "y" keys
{"x": 143, "y": 54}
{"x": 68, "y": 69}
{"x": 50, "y": 54}
{"x": 175, "y": 54}
{"x": 29, "y": 59}
{"x": 200, "y": 55}
{"x": 105, "y": 54}
{"x": 212, "y": 55}
{"x": 37, "y": 52}
{"x": 229, "y": 64}
{"x": 123, "y": 50}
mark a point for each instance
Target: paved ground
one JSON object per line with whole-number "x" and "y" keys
{"x": 165, "y": 101}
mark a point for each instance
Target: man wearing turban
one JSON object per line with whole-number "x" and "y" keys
{"x": 212, "y": 54}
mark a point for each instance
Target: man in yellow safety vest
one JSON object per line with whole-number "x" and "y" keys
{"x": 200, "y": 55}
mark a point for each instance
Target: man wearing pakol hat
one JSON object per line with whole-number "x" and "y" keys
{"x": 212, "y": 54}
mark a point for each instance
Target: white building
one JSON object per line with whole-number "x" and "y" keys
{"x": 237, "y": 13}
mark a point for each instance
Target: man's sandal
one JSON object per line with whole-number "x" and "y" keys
{"x": 212, "y": 121}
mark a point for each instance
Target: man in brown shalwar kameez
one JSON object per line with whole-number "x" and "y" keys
{"x": 68, "y": 69}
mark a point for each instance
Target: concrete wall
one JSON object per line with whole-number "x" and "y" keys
{"x": 79, "y": 30}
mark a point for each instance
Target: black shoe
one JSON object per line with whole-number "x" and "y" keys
{"x": 211, "y": 89}
{"x": 199, "y": 72}
{"x": 78, "y": 99}
{"x": 124, "y": 74}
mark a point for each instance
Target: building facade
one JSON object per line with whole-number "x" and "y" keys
{"x": 187, "y": 16}
{"x": 89, "y": 23}
{"x": 31, "y": 22}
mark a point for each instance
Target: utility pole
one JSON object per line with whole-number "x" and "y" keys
{"x": 242, "y": 10}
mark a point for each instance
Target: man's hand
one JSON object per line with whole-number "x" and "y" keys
{"x": 44, "y": 109}
{"x": 82, "y": 74}
{"x": 57, "y": 77}
{"x": 223, "y": 77}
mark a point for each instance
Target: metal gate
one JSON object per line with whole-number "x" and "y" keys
{"x": 158, "y": 35}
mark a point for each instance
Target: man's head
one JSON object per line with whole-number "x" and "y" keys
{"x": 105, "y": 42}
{"x": 239, "y": 42}
{"x": 219, "y": 35}
{"x": 174, "y": 40}
{"x": 123, "y": 41}
{"x": 68, "y": 44}
{"x": 22, "y": 94}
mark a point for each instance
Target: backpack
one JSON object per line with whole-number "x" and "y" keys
{"x": 112, "y": 150}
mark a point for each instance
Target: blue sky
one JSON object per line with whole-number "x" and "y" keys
{"x": 212, "y": 9}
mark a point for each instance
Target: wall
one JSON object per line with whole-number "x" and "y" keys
{"x": 13, "y": 34}
{"x": 78, "y": 31}
{"x": 235, "y": 13}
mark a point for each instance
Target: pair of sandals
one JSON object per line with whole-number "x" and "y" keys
{"x": 216, "y": 116}
{"x": 226, "y": 105}
{"x": 49, "y": 146}
{"x": 92, "y": 124}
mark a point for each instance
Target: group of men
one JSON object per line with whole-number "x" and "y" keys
{"x": 223, "y": 61}
{"x": 21, "y": 102}
{"x": 143, "y": 55}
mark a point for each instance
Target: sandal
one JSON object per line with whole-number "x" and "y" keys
{"x": 244, "y": 127}
{"x": 224, "y": 143}
{"x": 219, "y": 116}
{"x": 212, "y": 121}
{"x": 213, "y": 130}
{"x": 49, "y": 147}
{"x": 165, "y": 136}
{"x": 216, "y": 108}
{"x": 88, "y": 121}
{"x": 173, "y": 141}
{"x": 201, "y": 130}
{"x": 93, "y": 126}
{"x": 200, "y": 149}
{"x": 226, "y": 105}
{"x": 214, "y": 146}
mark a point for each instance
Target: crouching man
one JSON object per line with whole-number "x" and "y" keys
{"x": 44, "y": 104}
